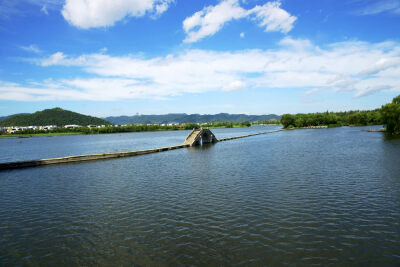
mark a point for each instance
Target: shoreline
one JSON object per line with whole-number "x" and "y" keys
{"x": 82, "y": 133}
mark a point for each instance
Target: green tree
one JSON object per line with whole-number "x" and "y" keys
{"x": 299, "y": 121}
{"x": 190, "y": 126}
{"x": 391, "y": 116}
{"x": 287, "y": 120}
{"x": 245, "y": 124}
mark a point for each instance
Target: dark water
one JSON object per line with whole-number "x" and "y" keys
{"x": 304, "y": 197}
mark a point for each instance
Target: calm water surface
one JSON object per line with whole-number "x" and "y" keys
{"x": 304, "y": 197}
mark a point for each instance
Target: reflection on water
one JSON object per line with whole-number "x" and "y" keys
{"x": 329, "y": 196}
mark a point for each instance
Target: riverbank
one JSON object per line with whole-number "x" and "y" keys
{"x": 40, "y": 134}
{"x": 337, "y": 126}
{"x": 382, "y": 130}
{"x": 107, "y": 130}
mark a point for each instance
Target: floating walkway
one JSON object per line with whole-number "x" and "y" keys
{"x": 247, "y": 135}
{"x": 196, "y": 137}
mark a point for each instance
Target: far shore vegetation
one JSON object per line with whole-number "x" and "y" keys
{"x": 388, "y": 115}
{"x": 123, "y": 129}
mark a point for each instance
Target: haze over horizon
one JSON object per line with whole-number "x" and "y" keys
{"x": 110, "y": 58}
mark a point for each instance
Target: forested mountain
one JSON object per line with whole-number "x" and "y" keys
{"x": 3, "y": 118}
{"x": 187, "y": 118}
{"x": 6, "y": 117}
{"x": 55, "y": 116}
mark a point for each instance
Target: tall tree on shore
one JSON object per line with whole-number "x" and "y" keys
{"x": 391, "y": 116}
{"x": 287, "y": 120}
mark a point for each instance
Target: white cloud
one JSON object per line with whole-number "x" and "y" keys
{"x": 212, "y": 18}
{"x": 381, "y": 65}
{"x": 32, "y": 48}
{"x": 233, "y": 86}
{"x": 380, "y": 6}
{"x": 371, "y": 90}
{"x": 298, "y": 44}
{"x": 102, "y": 13}
{"x": 273, "y": 18}
{"x": 242, "y": 35}
{"x": 54, "y": 59}
{"x": 344, "y": 67}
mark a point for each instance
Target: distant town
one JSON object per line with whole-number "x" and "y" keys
{"x": 16, "y": 129}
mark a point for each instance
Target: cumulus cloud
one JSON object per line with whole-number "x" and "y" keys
{"x": 87, "y": 14}
{"x": 212, "y": 18}
{"x": 344, "y": 67}
{"x": 273, "y": 18}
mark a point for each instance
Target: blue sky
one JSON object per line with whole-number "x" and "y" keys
{"x": 122, "y": 57}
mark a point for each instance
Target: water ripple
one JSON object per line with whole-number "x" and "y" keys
{"x": 310, "y": 197}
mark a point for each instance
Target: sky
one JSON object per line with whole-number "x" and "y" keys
{"x": 126, "y": 57}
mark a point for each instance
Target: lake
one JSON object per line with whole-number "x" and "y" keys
{"x": 302, "y": 197}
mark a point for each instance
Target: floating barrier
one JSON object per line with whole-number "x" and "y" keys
{"x": 113, "y": 155}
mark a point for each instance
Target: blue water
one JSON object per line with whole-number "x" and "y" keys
{"x": 17, "y": 149}
{"x": 303, "y": 197}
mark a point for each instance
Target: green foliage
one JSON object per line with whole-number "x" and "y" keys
{"x": 55, "y": 116}
{"x": 332, "y": 119}
{"x": 219, "y": 125}
{"x": 129, "y": 128}
{"x": 226, "y": 124}
{"x": 391, "y": 116}
{"x": 190, "y": 126}
{"x": 101, "y": 130}
{"x": 245, "y": 124}
{"x": 287, "y": 119}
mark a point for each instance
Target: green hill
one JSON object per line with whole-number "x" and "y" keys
{"x": 3, "y": 118}
{"x": 55, "y": 116}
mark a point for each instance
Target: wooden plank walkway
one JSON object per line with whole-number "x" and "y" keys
{"x": 113, "y": 155}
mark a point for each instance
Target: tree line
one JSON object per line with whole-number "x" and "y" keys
{"x": 132, "y": 128}
{"x": 388, "y": 115}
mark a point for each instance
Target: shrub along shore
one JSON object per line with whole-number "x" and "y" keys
{"x": 123, "y": 129}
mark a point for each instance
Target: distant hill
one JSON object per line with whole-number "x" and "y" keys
{"x": 55, "y": 116}
{"x": 194, "y": 118}
{"x": 5, "y": 117}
